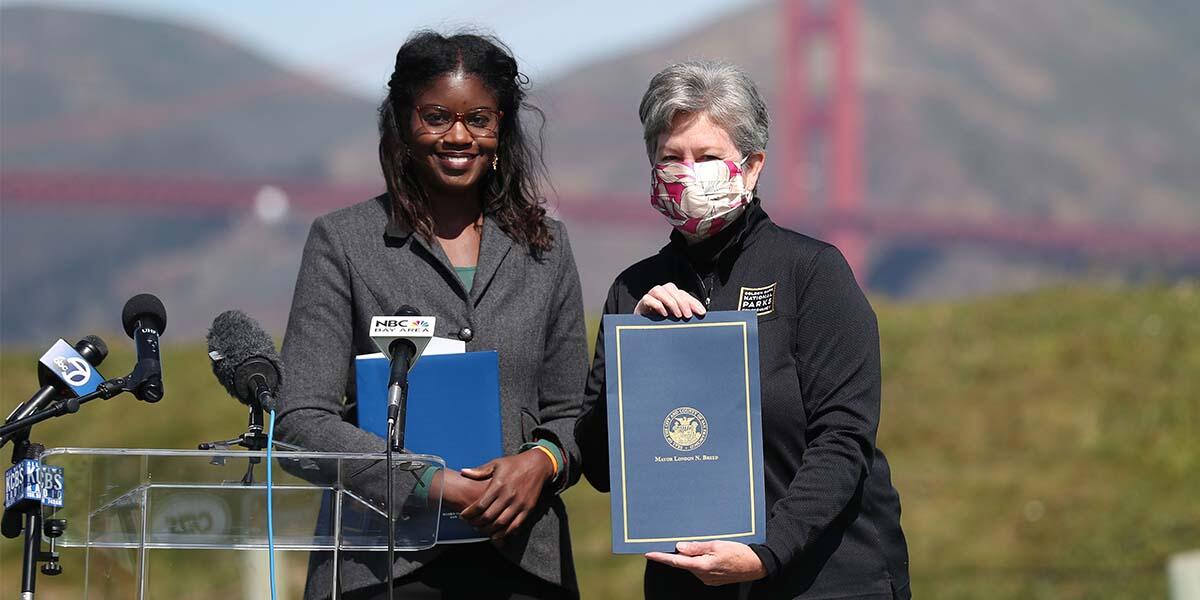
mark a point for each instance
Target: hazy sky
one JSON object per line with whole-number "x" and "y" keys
{"x": 355, "y": 42}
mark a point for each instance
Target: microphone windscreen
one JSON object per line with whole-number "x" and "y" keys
{"x": 406, "y": 310}
{"x": 233, "y": 339}
{"x": 92, "y": 349}
{"x": 144, "y": 307}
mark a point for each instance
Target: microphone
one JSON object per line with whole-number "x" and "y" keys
{"x": 244, "y": 359}
{"x": 145, "y": 319}
{"x": 62, "y": 370}
{"x": 402, "y": 338}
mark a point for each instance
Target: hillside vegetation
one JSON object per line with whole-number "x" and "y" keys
{"x": 1045, "y": 445}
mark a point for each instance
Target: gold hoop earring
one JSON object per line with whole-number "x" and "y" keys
{"x": 495, "y": 161}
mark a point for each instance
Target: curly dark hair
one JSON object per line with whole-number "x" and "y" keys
{"x": 511, "y": 193}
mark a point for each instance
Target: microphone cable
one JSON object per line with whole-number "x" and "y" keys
{"x": 270, "y": 502}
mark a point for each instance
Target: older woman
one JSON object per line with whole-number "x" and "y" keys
{"x": 833, "y": 527}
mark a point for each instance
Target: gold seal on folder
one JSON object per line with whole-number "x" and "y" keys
{"x": 685, "y": 428}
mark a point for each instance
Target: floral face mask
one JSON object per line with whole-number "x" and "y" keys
{"x": 699, "y": 199}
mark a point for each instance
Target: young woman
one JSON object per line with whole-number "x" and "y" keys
{"x": 461, "y": 236}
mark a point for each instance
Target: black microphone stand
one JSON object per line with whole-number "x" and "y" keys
{"x": 395, "y": 443}
{"x": 28, "y": 518}
{"x": 18, "y": 431}
{"x": 106, "y": 390}
{"x": 254, "y": 438}
{"x": 395, "y": 439}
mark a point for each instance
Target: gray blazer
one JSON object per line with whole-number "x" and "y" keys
{"x": 357, "y": 264}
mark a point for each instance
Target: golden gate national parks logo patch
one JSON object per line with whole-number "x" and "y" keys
{"x": 760, "y": 299}
{"x": 685, "y": 428}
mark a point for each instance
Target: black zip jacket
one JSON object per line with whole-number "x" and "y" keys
{"x": 833, "y": 520}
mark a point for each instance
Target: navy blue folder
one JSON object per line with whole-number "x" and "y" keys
{"x": 685, "y": 437}
{"x": 453, "y": 412}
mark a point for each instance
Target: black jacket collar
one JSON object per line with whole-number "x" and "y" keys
{"x": 707, "y": 255}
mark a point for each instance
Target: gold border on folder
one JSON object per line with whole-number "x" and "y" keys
{"x": 749, "y": 439}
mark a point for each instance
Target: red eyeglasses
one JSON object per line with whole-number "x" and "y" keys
{"x": 480, "y": 122}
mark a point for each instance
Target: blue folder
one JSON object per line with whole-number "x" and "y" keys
{"x": 685, "y": 437}
{"x": 453, "y": 412}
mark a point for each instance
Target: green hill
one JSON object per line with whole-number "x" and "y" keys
{"x": 1045, "y": 445}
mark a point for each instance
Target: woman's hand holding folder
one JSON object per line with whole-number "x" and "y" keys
{"x": 715, "y": 563}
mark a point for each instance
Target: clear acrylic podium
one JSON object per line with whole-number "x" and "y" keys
{"x": 193, "y": 523}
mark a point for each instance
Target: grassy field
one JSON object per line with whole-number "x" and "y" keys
{"x": 1045, "y": 445}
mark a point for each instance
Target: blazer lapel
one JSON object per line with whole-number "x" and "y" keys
{"x": 434, "y": 253}
{"x": 404, "y": 245}
{"x": 493, "y": 247}
{"x": 405, "y": 251}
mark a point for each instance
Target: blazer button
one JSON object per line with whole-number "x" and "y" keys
{"x": 465, "y": 334}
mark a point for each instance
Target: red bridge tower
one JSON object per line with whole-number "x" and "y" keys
{"x": 825, "y": 128}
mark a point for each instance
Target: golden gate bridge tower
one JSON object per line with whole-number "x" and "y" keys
{"x": 820, "y": 122}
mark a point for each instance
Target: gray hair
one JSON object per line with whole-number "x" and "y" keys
{"x": 720, "y": 90}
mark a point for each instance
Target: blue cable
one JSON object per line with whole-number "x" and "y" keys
{"x": 270, "y": 503}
